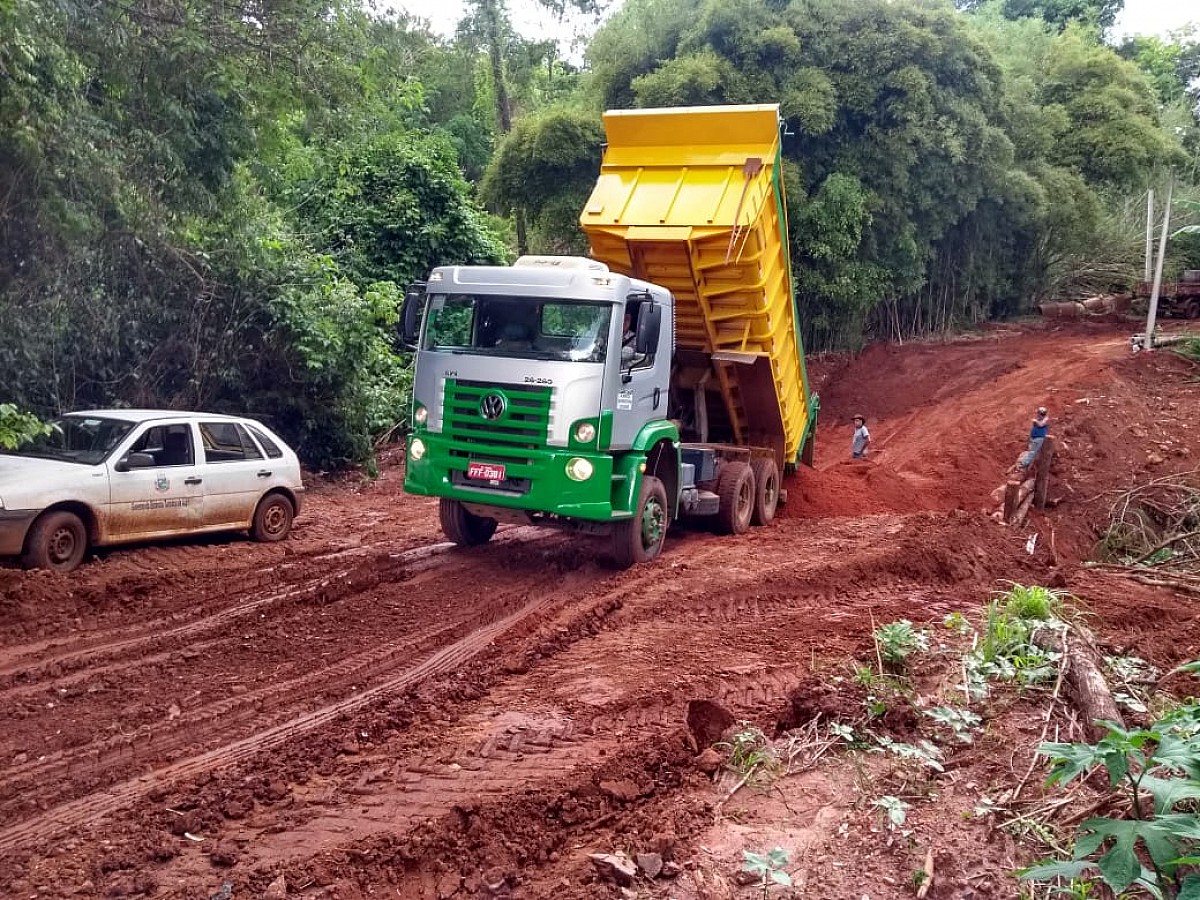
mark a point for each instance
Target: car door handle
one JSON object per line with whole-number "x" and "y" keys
{"x": 264, "y": 473}
{"x": 192, "y": 480}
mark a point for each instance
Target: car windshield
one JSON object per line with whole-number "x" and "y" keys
{"x": 521, "y": 327}
{"x": 79, "y": 439}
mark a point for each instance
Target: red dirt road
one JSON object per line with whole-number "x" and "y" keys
{"x": 371, "y": 712}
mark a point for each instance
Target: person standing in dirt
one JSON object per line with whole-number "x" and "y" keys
{"x": 861, "y": 439}
{"x": 1037, "y": 436}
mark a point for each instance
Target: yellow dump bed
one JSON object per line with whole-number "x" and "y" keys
{"x": 692, "y": 199}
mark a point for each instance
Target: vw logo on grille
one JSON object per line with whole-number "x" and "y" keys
{"x": 492, "y": 406}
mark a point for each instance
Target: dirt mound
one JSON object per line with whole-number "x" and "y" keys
{"x": 851, "y": 488}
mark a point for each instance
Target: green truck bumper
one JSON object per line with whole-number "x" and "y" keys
{"x": 535, "y": 482}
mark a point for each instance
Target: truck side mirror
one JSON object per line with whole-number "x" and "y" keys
{"x": 649, "y": 327}
{"x": 409, "y": 330}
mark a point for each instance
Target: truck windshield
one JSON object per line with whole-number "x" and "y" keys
{"x": 78, "y": 439}
{"x": 524, "y": 327}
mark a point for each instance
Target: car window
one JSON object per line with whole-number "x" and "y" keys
{"x": 271, "y": 448}
{"x": 170, "y": 445}
{"x": 227, "y": 442}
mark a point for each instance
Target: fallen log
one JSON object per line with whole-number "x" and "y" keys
{"x": 1082, "y": 671}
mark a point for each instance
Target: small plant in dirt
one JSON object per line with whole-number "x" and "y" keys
{"x": 961, "y": 723}
{"x": 751, "y": 755}
{"x": 897, "y": 641}
{"x": 1156, "y": 772}
{"x": 768, "y": 867}
{"x": 894, "y": 808}
{"x": 957, "y": 623}
{"x": 921, "y": 752}
{"x": 1006, "y": 650}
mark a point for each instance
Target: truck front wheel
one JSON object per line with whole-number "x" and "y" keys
{"x": 640, "y": 538}
{"x": 735, "y": 490}
{"x": 464, "y": 527}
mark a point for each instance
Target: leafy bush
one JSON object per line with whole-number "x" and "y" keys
{"x": 17, "y": 427}
{"x": 1163, "y": 762}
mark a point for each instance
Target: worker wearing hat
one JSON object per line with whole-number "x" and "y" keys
{"x": 1037, "y": 436}
{"x": 861, "y": 439}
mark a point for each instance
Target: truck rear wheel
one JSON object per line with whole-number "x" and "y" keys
{"x": 462, "y": 526}
{"x": 640, "y": 539}
{"x": 1192, "y": 309}
{"x": 735, "y": 491}
{"x": 766, "y": 490}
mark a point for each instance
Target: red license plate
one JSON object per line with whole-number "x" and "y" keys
{"x": 485, "y": 471}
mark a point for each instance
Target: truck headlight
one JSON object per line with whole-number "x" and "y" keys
{"x": 421, "y": 415}
{"x": 417, "y": 448}
{"x": 579, "y": 469}
{"x": 585, "y": 432}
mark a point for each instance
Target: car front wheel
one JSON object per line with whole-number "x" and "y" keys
{"x": 57, "y": 541}
{"x": 272, "y": 519}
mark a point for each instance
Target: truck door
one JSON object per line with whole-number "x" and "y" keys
{"x": 642, "y": 392}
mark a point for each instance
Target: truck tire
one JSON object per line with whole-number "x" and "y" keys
{"x": 766, "y": 490}
{"x": 462, "y": 526}
{"x": 1192, "y": 309}
{"x": 57, "y": 541}
{"x": 735, "y": 490}
{"x": 272, "y": 519}
{"x": 640, "y": 538}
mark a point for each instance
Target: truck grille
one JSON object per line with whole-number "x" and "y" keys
{"x": 478, "y": 432}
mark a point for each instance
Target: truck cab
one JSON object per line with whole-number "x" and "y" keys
{"x": 661, "y": 377}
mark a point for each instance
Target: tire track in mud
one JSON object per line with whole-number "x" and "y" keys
{"x": 84, "y": 767}
{"x": 21, "y": 662}
{"x": 97, "y": 805}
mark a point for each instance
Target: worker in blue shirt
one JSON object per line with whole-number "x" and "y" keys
{"x": 1037, "y": 436}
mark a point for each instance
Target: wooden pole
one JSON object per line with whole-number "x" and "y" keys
{"x": 1042, "y": 483}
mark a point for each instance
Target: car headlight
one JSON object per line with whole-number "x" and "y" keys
{"x": 579, "y": 469}
{"x": 421, "y": 415}
{"x": 585, "y": 432}
{"x": 417, "y": 448}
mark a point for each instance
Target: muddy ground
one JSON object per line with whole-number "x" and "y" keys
{"x": 368, "y": 712}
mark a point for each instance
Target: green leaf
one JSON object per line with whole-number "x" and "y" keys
{"x": 1190, "y": 889}
{"x": 1049, "y": 871}
{"x": 1120, "y": 866}
{"x": 1180, "y": 754}
{"x": 1169, "y": 791}
{"x": 782, "y": 878}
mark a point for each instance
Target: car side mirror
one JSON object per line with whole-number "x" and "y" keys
{"x": 410, "y": 312}
{"x": 649, "y": 328}
{"x": 136, "y": 461}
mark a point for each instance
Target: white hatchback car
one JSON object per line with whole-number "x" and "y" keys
{"x": 119, "y": 475}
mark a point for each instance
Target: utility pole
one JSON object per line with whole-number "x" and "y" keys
{"x": 1149, "y": 234}
{"x": 1158, "y": 269}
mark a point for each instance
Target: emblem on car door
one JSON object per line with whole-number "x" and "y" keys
{"x": 492, "y": 406}
{"x": 162, "y": 483}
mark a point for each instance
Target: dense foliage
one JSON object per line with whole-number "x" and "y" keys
{"x": 219, "y": 206}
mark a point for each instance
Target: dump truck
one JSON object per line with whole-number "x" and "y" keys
{"x": 662, "y": 377}
{"x": 1180, "y": 299}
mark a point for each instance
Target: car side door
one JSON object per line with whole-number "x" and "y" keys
{"x": 235, "y": 473}
{"x": 154, "y": 483}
